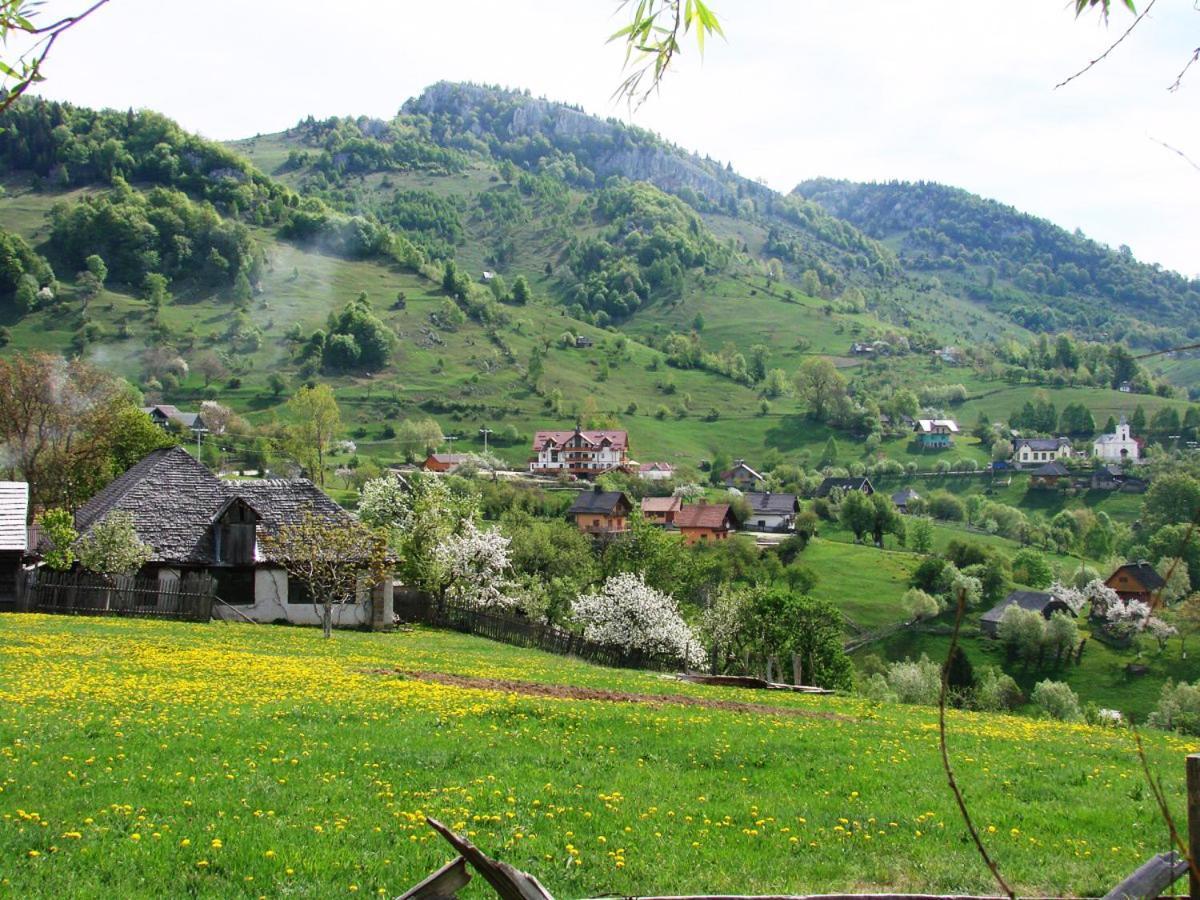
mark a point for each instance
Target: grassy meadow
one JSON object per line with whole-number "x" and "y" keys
{"x": 145, "y": 758}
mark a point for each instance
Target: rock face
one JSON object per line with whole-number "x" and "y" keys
{"x": 607, "y": 147}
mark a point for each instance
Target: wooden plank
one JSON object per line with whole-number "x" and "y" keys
{"x": 509, "y": 883}
{"x": 1151, "y": 878}
{"x": 1193, "y": 815}
{"x": 444, "y": 884}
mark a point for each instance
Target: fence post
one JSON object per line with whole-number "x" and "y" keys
{"x": 1193, "y": 813}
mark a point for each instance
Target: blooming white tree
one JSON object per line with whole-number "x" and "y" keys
{"x": 1160, "y": 631}
{"x": 475, "y": 564}
{"x": 1073, "y": 597}
{"x": 689, "y": 491}
{"x": 627, "y": 613}
{"x": 1102, "y": 597}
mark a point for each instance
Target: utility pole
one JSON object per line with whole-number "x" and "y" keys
{"x": 449, "y": 439}
{"x": 485, "y": 431}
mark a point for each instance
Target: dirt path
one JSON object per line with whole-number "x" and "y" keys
{"x": 574, "y": 692}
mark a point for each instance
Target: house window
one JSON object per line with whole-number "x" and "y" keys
{"x": 234, "y": 586}
{"x": 298, "y": 591}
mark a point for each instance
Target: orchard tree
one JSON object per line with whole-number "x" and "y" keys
{"x": 629, "y": 614}
{"x": 475, "y": 567}
{"x": 315, "y": 422}
{"x": 57, "y": 529}
{"x": 857, "y": 514}
{"x": 332, "y": 557}
{"x": 111, "y": 547}
{"x": 820, "y": 385}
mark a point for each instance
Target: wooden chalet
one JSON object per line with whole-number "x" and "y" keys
{"x": 14, "y": 536}
{"x": 1137, "y": 581}
{"x": 741, "y": 476}
{"x": 601, "y": 513}
{"x": 661, "y": 510}
{"x": 1049, "y": 475}
{"x": 195, "y": 522}
{"x": 704, "y": 522}
{"x": 443, "y": 462}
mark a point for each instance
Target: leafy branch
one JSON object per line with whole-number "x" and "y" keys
{"x": 16, "y": 17}
{"x": 652, "y": 41}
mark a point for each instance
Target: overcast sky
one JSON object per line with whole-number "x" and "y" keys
{"x": 956, "y": 91}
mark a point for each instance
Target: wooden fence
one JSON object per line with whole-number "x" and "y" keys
{"x": 411, "y": 606}
{"x": 189, "y": 599}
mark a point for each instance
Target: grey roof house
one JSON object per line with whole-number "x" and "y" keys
{"x": 902, "y": 498}
{"x": 194, "y": 521}
{"x": 771, "y": 512}
{"x": 1038, "y": 601}
{"x": 861, "y": 483}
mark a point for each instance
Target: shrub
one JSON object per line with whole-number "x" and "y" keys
{"x": 915, "y": 682}
{"x": 1178, "y": 708}
{"x": 997, "y": 692}
{"x": 1057, "y": 700}
{"x": 920, "y": 605}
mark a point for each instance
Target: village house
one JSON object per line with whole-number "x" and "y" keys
{"x": 741, "y": 476}
{"x": 1137, "y": 581}
{"x": 164, "y": 415}
{"x": 1120, "y": 446}
{"x": 656, "y": 471}
{"x": 661, "y": 510}
{"x": 1112, "y": 477}
{"x": 1125, "y": 387}
{"x": 845, "y": 485}
{"x": 443, "y": 462}
{"x": 584, "y": 454}
{"x": 1048, "y": 476}
{"x": 771, "y": 512}
{"x": 583, "y": 342}
{"x": 1036, "y": 451}
{"x": 935, "y": 434}
{"x": 601, "y": 513}
{"x": 195, "y": 522}
{"x": 14, "y": 536}
{"x": 704, "y": 522}
{"x": 901, "y": 499}
{"x": 1037, "y": 601}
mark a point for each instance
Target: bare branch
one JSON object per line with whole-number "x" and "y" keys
{"x": 31, "y": 72}
{"x": 1187, "y": 159}
{"x": 1179, "y": 78}
{"x": 958, "y": 797}
{"x": 1113, "y": 46}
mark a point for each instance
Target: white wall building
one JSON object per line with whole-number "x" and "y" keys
{"x": 1117, "y": 447}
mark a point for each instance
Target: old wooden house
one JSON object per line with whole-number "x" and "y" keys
{"x": 704, "y": 522}
{"x": 1137, "y": 581}
{"x": 601, "y": 513}
{"x": 1037, "y": 601}
{"x": 195, "y": 522}
{"x": 661, "y": 510}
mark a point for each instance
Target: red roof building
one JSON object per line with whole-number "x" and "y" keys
{"x": 580, "y": 453}
{"x": 703, "y": 522}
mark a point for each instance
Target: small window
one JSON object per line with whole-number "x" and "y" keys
{"x": 298, "y": 591}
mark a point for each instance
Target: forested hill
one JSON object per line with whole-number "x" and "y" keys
{"x": 1034, "y": 272}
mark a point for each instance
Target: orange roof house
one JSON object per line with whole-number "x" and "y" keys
{"x": 703, "y": 522}
{"x": 661, "y": 510}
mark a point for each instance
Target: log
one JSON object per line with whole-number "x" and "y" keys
{"x": 508, "y": 882}
{"x": 749, "y": 681}
{"x": 444, "y": 884}
{"x": 1151, "y": 878}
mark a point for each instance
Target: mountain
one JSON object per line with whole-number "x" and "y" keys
{"x": 441, "y": 263}
{"x": 1038, "y": 274}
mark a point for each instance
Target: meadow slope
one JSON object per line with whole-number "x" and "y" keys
{"x": 141, "y": 758}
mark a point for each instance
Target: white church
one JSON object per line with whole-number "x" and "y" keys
{"x": 1117, "y": 447}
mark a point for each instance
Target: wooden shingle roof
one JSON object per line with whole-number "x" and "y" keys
{"x": 606, "y": 503}
{"x": 704, "y": 515}
{"x": 173, "y": 500}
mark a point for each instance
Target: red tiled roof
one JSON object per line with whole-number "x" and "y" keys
{"x": 656, "y": 467}
{"x": 703, "y": 515}
{"x": 618, "y": 439}
{"x": 660, "y": 504}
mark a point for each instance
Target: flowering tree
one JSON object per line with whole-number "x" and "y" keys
{"x": 1073, "y": 597}
{"x": 627, "y": 613}
{"x": 1102, "y": 598}
{"x": 475, "y": 566}
{"x": 112, "y": 547}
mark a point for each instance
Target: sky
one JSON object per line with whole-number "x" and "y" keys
{"x": 956, "y": 91}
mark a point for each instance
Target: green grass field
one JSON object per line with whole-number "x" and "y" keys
{"x": 144, "y": 758}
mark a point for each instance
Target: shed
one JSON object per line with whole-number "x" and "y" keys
{"x": 14, "y": 536}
